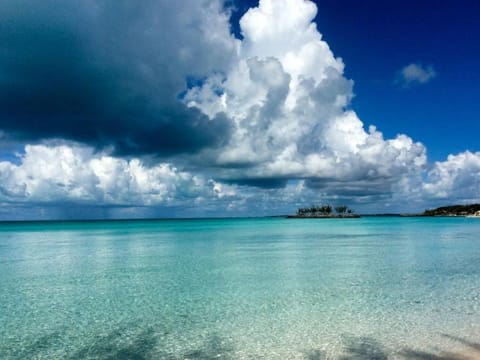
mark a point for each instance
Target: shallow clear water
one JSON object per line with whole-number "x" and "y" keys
{"x": 370, "y": 288}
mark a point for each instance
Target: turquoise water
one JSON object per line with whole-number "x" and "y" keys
{"x": 370, "y": 288}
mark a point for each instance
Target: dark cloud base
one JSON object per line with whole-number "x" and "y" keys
{"x": 66, "y": 72}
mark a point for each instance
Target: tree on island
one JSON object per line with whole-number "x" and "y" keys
{"x": 326, "y": 209}
{"x": 341, "y": 209}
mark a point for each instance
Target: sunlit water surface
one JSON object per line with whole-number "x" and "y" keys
{"x": 369, "y": 288}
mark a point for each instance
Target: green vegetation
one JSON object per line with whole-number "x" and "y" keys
{"x": 453, "y": 210}
{"x": 325, "y": 211}
{"x": 343, "y": 210}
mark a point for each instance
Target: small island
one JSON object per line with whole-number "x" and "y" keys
{"x": 324, "y": 212}
{"x": 471, "y": 210}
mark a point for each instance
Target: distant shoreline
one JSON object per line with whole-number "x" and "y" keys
{"x": 454, "y": 211}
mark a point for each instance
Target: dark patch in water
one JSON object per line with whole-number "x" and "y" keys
{"x": 367, "y": 348}
{"x": 145, "y": 344}
{"x": 120, "y": 345}
{"x": 315, "y": 355}
{"x": 363, "y": 348}
{"x": 38, "y": 346}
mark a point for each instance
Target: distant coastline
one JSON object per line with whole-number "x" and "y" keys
{"x": 454, "y": 210}
{"x": 326, "y": 212}
{"x": 322, "y": 212}
{"x": 470, "y": 210}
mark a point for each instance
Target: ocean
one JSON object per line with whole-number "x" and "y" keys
{"x": 260, "y": 288}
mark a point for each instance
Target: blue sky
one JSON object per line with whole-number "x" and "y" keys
{"x": 236, "y": 108}
{"x": 377, "y": 38}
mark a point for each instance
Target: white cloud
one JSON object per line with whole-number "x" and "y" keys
{"x": 74, "y": 173}
{"x": 70, "y": 174}
{"x": 417, "y": 74}
{"x": 288, "y": 100}
{"x": 456, "y": 180}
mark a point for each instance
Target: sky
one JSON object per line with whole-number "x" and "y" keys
{"x": 115, "y": 109}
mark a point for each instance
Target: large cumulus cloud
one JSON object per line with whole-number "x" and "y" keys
{"x": 288, "y": 100}
{"x": 108, "y": 73}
